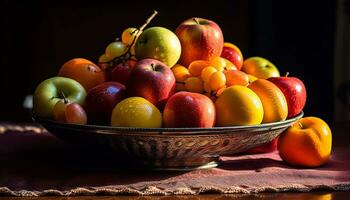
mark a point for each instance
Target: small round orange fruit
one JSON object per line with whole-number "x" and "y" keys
{"x": 273, "y": 100}
{"x": 307, "y": 143}
{"x": 235, "y": 77}
{"x": 180, "y": 72}
{"x": 84, "y": 71}
{"x": 196, "y": 67}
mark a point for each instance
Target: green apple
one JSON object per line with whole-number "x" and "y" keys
{"x": 160, "y": 44}
{"x": 260, "y": 68}
{"x": 50, "y": 91}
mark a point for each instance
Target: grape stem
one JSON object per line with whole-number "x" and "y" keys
{"x": 128, "y": 55}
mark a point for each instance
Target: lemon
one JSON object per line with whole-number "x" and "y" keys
{"x": 136, "y": 112}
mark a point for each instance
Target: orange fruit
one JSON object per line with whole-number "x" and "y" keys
{"x": 180, "y": 72}
{"x": 207, "y": 72}
{"x": 196, "y": 67}
{"x": 238, "y": 105}
{"x": 307, "y": 143}
{"x": 194, "y": 84}
{"x": 217, "y": 81}
{"x": 235, "y": 77}
{"x": 84, "y": 71}
{"x": 273, "y": 100}
{"x": 136, "y": 112}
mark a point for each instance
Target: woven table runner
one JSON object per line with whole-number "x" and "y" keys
{"x": 35, "y": 163}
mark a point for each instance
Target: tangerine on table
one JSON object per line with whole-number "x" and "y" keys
{"x": 307, "y": 143}
{"x": 84, "y": 71}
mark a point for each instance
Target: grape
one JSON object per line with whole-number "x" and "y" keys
{"x": 217, "y": 81}
{"x": 180, "y": 72}
{"x": 207, "y": 72}
{"x": 104, "y": 58}
{"x": 194, "y": 84}
{"x": 116, "y": 49}
{"x": 196, "y": 67}
{"x": 128, "y": 35}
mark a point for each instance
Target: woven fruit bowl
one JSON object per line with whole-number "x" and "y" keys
{"x": 170, "y": 148}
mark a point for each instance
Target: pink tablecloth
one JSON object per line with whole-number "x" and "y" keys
{"x": 34, "y": 163}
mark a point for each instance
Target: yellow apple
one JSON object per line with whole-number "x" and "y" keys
{"x": 260, "y": 68}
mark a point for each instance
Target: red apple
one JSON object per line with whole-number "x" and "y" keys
{"x": 232, "y": 53}
{"x": 121, "y": 72}
{"x": 294, "y": 91}
{"x": 101, "y": 100}
{"x": 200, "y": 39}
{"x": 152, "y": 80}
{"x": 265, "y": 148}
{"x": 188, "y": 109}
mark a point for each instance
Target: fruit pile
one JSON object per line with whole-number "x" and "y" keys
{"x": 158, "y": 78}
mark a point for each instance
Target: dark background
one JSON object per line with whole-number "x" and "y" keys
{"x": 39, "y": 36}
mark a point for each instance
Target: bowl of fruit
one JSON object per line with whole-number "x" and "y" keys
{"x": 170, "y": 100}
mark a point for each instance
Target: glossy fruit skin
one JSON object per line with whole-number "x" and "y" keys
{"x": 238, "y": 105}
{"x": 68, "y": 112}
{"x": 84, "y": 71}
{"x": 121, "y": 72}
{"x": 273, "y": 100}
{"x": 136, "y": 112}
{"x": 101, "y": 100}
{"x": 129, "y": 34}
{"x": 260, "y": 68}
{"x": 181, "y": 73}
{"x": 236, "y": 77}
{"x": 46, "y": 95}
{"x": 201, "y": 39}
{"x": 195, "y": 68}
{"x": 160, "y": 44}
{"x": 295, "y": 92}
{"x": 308, "y": 143}
{"x": 232, "y": 53}
{"x": 116, "y": 49}
{"x": 187, "y": 109}
{"x": 152, "y": 80}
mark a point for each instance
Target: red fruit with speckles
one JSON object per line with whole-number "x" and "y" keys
{"x": 188, "y": 109}
{"x": 200, "y": 39}
{"x": 295, "y": 92}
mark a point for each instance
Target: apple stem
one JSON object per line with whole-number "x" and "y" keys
{"x": 127, "y": 55}
{"x": 300, "y": 125}
{"x": 196, "y": 20}
{"x": 61, "y": 94}
{"x": 287, "y": 74}
{"x": 153, "y": 67}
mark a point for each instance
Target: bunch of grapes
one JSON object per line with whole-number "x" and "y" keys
{"x": 123, "y": 50}
{"x": 208, "y": 77}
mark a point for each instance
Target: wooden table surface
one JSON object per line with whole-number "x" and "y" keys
{"x": 341, "y": 137}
